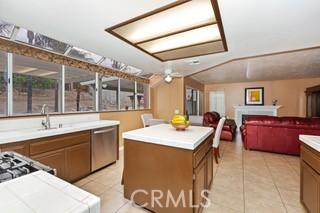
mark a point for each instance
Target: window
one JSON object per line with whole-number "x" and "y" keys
{"x": 42, "y": 41}
{"x": 107, "y": 62}
{"x": 35, "y": 83}
{"x": 3, "y": 84}
{"x": 200, "y": 103}
{"x": 108, "y": 93}
{"x": 127, "y": 94}
{"x": 6, "y": 29}
{"x": 142, "y": 96}
{"x": 192, "y": 101}
{"x": 84, "y": 55}
{"x": 79, "y": 90}
{"x": 217, "y": 102}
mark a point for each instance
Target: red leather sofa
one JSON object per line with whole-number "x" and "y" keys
{"x": 211, "y": 119}
{"x": 277, "y": 134}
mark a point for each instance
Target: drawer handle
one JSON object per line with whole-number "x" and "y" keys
{"x": 103, "y": 131}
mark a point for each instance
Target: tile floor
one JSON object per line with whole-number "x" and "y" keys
{"x": 244, "y": 181}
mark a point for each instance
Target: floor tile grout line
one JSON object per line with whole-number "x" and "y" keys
{"x": 275, "y": 184}
{"x": 244, "y": 194}
{"x": 292, "y": 168}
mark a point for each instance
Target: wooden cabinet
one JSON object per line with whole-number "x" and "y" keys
{"x": 200, "y": 184}
{"x": 313, "y": 101}
{"x": 54, "y": 159}
{"x": 77, "y": 161}
{"x": 203, "y": 176}
{"x": 69, "y": 154}
{"x": 175, "y": 171}
{"x": 310, "y": 179}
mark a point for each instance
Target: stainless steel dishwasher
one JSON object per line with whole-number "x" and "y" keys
{"x": 104, "y": 147}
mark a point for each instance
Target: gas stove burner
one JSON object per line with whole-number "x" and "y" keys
{"x": 14, "y": 165}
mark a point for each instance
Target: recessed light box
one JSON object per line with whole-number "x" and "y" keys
{"x": 180, "y": 30}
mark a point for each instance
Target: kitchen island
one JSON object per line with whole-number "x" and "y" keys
{"x": 167, "y": 170}
{"x": 310, "y": 172}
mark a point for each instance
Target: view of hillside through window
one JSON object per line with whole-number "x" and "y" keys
{"x": 109, "y": 93}
{"x": 126, "y": 94}
{"x": 79, "y": 90}
{"x": 35, "y": 83}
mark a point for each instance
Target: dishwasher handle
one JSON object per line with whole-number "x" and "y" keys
{"x": 103, "y": 131}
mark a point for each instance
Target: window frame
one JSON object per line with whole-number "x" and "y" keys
{"x": 61, "y": 97}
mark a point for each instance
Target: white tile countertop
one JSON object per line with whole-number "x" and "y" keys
{"x": 23, "y": 129}
{"x": 28, "y": 134}
{"x": 311, "y": 140}
{"x": 165, "y": 134}
{"x": 40, "y": 192}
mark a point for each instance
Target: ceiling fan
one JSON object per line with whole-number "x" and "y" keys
{"x": 169, "y": 74}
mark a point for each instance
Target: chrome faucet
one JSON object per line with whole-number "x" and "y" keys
{"x": 45, "y": 111}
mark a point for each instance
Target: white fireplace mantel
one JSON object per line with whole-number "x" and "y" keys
{"x": 253, "y": 110}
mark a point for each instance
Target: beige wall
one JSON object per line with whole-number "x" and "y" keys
{"x": 166, "y": 98}
{"x": 289, "y": 93}
{"x": 129, "y": 120}
{"x": 190, "y": 82}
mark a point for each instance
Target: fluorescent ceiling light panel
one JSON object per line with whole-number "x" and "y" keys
{"x": 192, "y": 14}
{"x": 179, "y": 25}
{"x": 196, "y": 36}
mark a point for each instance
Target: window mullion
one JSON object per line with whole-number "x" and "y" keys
{"x": 118, "y": 95}
{"x": 97, "y": 92}
{"x": 9, "y": 84}
{"x": 62, "y": 89}
{"x": 135, "y": 95}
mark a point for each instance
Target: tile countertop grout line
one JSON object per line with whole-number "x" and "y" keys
{"x": 67, "y": 185}
{"x": 59, "y": 190}
{"x": 20, "y": 199}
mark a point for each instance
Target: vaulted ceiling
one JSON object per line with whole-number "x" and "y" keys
{"x": 252, "y": 27}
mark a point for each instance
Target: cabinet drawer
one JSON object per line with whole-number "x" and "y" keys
{"x": 58, "y": 142}
{"x": 21, "y": 148}
{"x": 311, "y": 158}
{"x": 201, "y": 152}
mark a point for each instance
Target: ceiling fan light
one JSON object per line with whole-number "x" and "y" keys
{"x": 168, "y": 79}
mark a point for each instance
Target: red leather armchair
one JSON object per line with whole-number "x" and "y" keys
{"x": 211, "y": 119}
{"x": 277, "y": 134}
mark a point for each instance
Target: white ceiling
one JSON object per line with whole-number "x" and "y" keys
{"x": 298, "y": 64}
{"x": 252, "y": 27}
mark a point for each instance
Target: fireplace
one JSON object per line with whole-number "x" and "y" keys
{"x": 241, "y": 112}
{"x": 245, "y": 117}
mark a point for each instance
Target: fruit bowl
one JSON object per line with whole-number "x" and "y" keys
{"x": 180, "y": 122}
{"x": 180, "y": 127}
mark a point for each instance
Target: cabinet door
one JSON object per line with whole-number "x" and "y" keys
{"x": 20, "y": 148}
{"x": 310, "y": 188}
{"x": 209, "y": 158}
{"x": 77, "y": 161}
{"x": 54, "y": 159}
{"x": 200, "y": 184}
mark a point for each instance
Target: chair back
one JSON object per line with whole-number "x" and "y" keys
{"x": 210, "y": 118}
{"x": 217, "y": 134}
{"x": 145, "y": 118}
